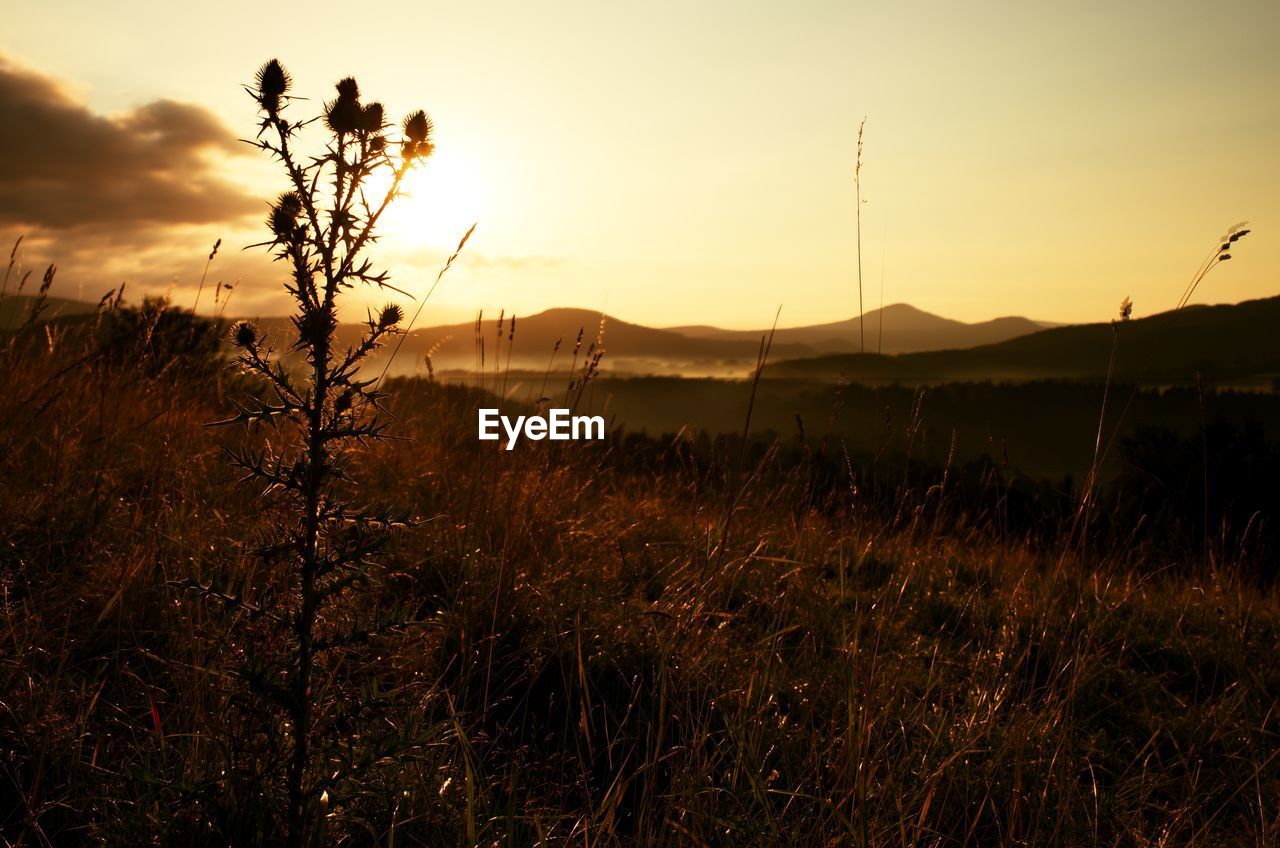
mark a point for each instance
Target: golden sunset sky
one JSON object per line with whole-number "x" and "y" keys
{"x": 675, "y": 163}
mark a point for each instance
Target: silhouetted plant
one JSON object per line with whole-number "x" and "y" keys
{"x": 321, "y": 229}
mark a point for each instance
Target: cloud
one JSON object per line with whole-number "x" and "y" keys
{"x": 65, "y": 168}
{"x": 141, "y": 197}
{"x": 430, "y": 258}
{"x": 515, "y": 263}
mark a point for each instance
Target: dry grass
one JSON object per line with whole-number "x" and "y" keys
{"x": 597, "y": 671}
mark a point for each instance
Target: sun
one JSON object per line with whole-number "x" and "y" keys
{"x": 439, "y": 199}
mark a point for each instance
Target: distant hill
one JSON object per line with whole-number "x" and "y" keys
{"x": 637, "y": 348}
{"x": 14, "y": 309}
{"x": 630, "y": 347}
{"x": 1224, "y": 343}
{"x": 906, "y": 329}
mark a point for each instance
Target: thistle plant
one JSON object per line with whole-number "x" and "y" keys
{"x": 320, "y": 229}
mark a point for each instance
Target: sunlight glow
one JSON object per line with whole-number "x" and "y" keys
{"x": 439, "y": 200}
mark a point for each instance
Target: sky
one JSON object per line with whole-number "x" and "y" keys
{"x": 674, "y": 162}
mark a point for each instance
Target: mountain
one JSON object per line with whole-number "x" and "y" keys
{"x": 630, "y": 347}
{"x": 1235, "y": 342}
{"x": 637, "y": 348}
{"x": 905, "y": 329}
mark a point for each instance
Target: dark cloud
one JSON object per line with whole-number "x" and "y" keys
{"x": 62, "y": 167}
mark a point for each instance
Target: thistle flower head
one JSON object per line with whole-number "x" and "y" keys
{"x": 291, "y": 203}
{"x": 273, "y": 81}
{"x": 284, "y": 214}
{"x": 371, "y": 118}
{"x": 417, "y": 126}
{"x": 314, "y": 326}
{"x": 390, "y": 316}
{"x": 348, "y": 89}
{"x": 244, "y": 334}
{"x": 417, "y": 131}
{"x": 344, "y": 114}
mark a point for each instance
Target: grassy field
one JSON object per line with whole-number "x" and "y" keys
{"x": 641, "y": 642}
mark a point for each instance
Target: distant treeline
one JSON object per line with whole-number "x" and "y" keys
{"x": 1168, "y": 489}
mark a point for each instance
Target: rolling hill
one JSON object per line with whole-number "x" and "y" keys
{"x": 635, "y": 348}
{"x": 14, "y": 309}
{"x": 1235, "y": 342}
{"x": 1224, "y": 343}
{"x": 630, "y": 347}
{"x": 698, "y": 349}
{"x": 906, "y": 329}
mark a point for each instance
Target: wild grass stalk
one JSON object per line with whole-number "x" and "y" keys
{"x": 735, "y": 479}
{"x": 1219, "y": 254}
{"x": 1085, "y": 507}
{"x": 423, "y": 302}
{"x": 8, "y": 269}
{"x": 857, "y": 190}
{"x": 195, "y": 307}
